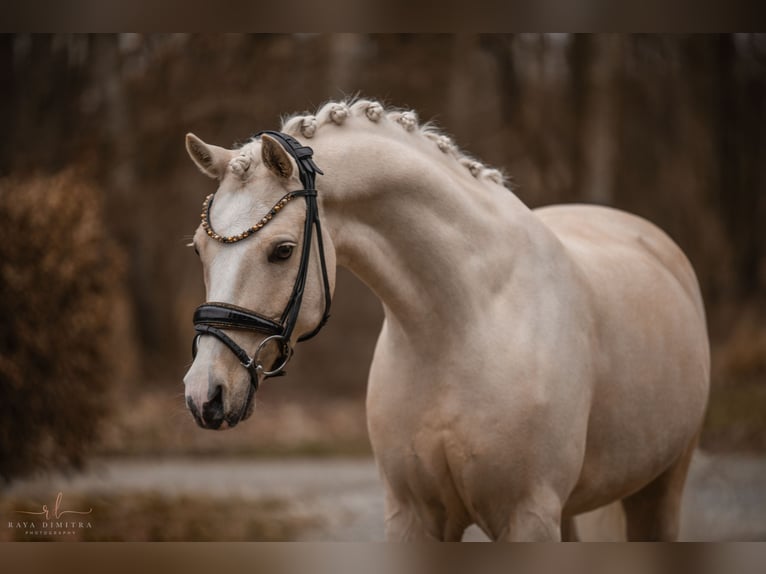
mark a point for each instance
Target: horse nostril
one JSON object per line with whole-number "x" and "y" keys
{"x": 212, "y": 411}
{"x": 193, "y": 409}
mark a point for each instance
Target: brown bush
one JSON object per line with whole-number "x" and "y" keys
{"x": 59, "y": 276}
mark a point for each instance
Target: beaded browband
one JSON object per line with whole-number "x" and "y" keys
{"x": 206, "y": 205}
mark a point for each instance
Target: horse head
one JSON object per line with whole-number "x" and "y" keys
{"x": 269, "y": 272}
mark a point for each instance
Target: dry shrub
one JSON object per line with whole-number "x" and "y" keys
{"x": 743, "y": 356}
{"x": 737, "y": 403}
{"x": 59, "y": 277}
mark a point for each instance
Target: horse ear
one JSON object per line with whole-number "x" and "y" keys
{"x": 210, "y": 159}
{"x": 275, "y": 157}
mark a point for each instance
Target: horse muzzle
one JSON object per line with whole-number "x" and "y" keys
{"x": 215, "y": 404}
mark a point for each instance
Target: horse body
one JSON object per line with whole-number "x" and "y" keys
{"x": 651, "y": 382}
{"x": 532, "y": 365}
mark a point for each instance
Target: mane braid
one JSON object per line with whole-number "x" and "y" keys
{"x": 334, "y": 113}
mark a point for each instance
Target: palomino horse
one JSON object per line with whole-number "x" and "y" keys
{"x": 532, "y": 365}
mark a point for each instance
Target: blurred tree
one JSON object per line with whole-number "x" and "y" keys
{"x": 59, "y": 300}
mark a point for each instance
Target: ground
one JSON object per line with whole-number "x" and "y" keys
{"x": 321, "y": 498}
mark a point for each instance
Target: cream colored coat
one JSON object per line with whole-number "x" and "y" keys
{"x": 532, "y": 365}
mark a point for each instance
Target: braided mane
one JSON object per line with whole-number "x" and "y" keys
{"x": 336, "y": 113}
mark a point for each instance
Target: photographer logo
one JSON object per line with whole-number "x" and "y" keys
{"x": 54, "y": 521}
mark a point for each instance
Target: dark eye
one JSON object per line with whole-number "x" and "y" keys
{"x": 281, "y": 252}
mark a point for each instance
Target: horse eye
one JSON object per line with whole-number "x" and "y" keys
{"x": 281, "y": 252}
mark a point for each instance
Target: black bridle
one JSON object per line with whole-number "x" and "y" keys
{"x": 212, "y": 318}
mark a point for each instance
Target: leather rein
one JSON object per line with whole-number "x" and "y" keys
{"x": 213, "y": 318}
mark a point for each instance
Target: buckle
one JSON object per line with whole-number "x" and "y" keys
{"x": 286, "y": 354}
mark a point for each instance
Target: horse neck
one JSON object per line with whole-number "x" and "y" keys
{"x": 431, "y": 241}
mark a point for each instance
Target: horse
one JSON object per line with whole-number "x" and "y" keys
{"x": 532, "y": 365}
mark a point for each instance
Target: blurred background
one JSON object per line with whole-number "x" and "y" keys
{"x": 98, "y": 199}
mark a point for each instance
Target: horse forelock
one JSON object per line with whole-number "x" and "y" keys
{"x": 337, "y": 113}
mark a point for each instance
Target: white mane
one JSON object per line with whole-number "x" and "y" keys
{"x": 336, "y": 114}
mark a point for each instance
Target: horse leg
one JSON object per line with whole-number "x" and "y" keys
{"x": 534, "y": 525}
{"x": 405, "y": 523}
{"x": 569, "y": 530}
{"x": 653, "y": 513}
{"x": 534, "y": 519}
